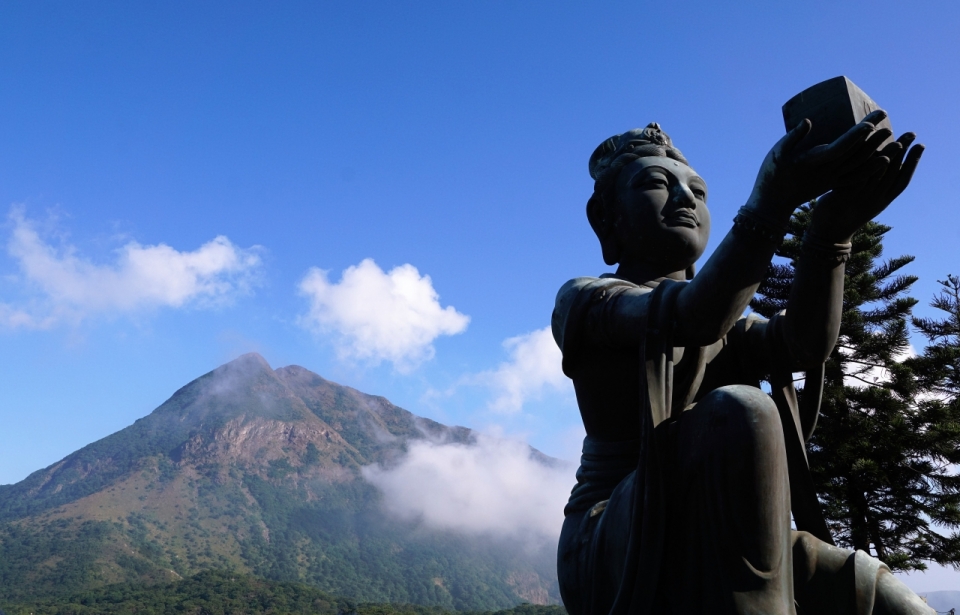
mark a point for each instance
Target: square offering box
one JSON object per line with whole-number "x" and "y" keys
{"x": 834, "y": 106}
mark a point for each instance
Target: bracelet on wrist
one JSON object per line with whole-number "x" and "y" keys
{"x": 748, "y": 222}
{"x": 823, "y": 250}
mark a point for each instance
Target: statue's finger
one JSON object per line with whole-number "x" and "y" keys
{"x": 866, "y": 151}
{"x": 907, "y": 169}
{"x": 894, "y": 152}
{"x": 844, "y": 145}
{"x": 871, "y": 145}
{"x": 879, "y": 165}
{"x": 907, "y": 138}
{"x": 795, "y": 136}
{"x": 875, "y": 117}
{"x": 865, "y": 177}
{"x": 879, "y": 136}
{"x": 894, "y": 149}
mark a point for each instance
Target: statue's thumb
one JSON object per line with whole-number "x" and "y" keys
{"x": 796, "y": 135}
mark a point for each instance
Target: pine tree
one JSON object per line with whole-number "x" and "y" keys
{"x": 878, "y": 455}
{"x": 938, "y": 369}
{"x": 937, "y": 372}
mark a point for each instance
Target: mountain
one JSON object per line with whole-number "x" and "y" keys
{"x": 255, "y": 470}
{"x": 217, "y": 591}
{"x": 943, "y": 601}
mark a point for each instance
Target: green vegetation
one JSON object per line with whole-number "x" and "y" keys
{"x": 937, "y": 372}
{"x": 889, "y": 428}
{"x": 66, "y": 552}
{"x": 257, "y": 471}
{"x": 341, "y": 543}
{"x": 66, "y": 556}
{"x": 338, "y": 541}
{"x": 938, "y": 368}
{"x": 217, "y": 592}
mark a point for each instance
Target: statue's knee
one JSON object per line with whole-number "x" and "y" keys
{"x": 805, "y": 551}
{"x": 748, "y": 420}
{"x": 743, "y": 403}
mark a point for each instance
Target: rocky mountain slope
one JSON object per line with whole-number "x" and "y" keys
{"x": 256, "y": 470}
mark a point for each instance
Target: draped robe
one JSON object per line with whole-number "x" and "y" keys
{"x": 648, "y": 529}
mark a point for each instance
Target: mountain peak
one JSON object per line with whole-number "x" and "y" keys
{"x": 258, "y": 470}
{"x": 236, "y": 393}
{"x": 250, "y": 366}
{"x": 241, "y": 411}
{"x": 241, "y": 408}
{"x": 245, "y": 386}
{"x": 250, "y": 358}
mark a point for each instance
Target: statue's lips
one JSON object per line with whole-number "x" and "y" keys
{"x": 683, "y": 218}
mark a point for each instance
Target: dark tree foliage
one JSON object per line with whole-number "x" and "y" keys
{"x": 880, "y": 456}
{"x": 222, "y": 592}
{"x": 938, "y": 369}
{"x": 937, "y": 373}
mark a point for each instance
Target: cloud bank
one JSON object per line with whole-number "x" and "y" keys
{"x": 861, "y": 375}
{"x": 495, "y": 487}
{"x": 377, "y": 316}
{"x": 534, "y": 367}
{"x": 67, "y": 287}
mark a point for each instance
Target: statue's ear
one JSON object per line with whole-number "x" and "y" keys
{"x": 601, "y": 220}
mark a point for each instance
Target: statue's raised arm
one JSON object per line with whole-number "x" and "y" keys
{"x": 689, "y": 471}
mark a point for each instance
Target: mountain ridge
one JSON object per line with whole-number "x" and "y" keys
{"x": 258, "y": 470}
{"x": 166, "y": 415}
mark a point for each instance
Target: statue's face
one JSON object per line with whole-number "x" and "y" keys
{"x": 661, "y": 214}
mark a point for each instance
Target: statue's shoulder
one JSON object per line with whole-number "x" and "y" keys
{"x": 575, "y": 290}
{"x": 574, "y": 287}
{"x": 575, "y": 295}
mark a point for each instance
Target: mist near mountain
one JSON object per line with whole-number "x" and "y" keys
{"x": 490, "y": 487}
{"x": 283, "y": 474}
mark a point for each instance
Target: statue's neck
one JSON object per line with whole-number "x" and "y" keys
{"x": 643, "y": 273}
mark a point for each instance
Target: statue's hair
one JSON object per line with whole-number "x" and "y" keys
{"x": 620, "y": 150}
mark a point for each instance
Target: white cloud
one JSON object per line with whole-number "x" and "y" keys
{"x": 534, "y": 366}
{"x": 18, "y": 318}
{"x": 64, "y": 286}
{"x": 495, "y": 487}
{"x": 861, "y": 375}
{"x": 379, "y": 316}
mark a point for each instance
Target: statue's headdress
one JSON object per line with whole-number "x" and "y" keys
{"x": 620, "y": 150}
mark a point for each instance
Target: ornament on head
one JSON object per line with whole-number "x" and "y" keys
{"x": 620, "y": 150}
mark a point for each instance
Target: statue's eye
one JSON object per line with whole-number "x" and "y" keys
{"x": 654, "y": 182}
{"x": 700, "y": 194}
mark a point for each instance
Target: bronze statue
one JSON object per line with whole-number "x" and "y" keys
{"x": 689, "y": 471}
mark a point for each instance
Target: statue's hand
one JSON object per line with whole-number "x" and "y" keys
{"x": 790, "y": 175}
{"x": 863, "y": 193}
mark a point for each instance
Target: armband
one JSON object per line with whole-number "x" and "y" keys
{"x": 750, "y": 223}
{"x": 833, "y": 253}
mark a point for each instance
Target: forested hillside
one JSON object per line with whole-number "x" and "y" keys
{"x": 216, "y": 591}
{"x": 255, "y": 470}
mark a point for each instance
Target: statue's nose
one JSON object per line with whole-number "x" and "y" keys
{"x": 683, "y": 196}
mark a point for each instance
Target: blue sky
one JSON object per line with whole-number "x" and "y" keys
{"x": 183, "y": 182}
